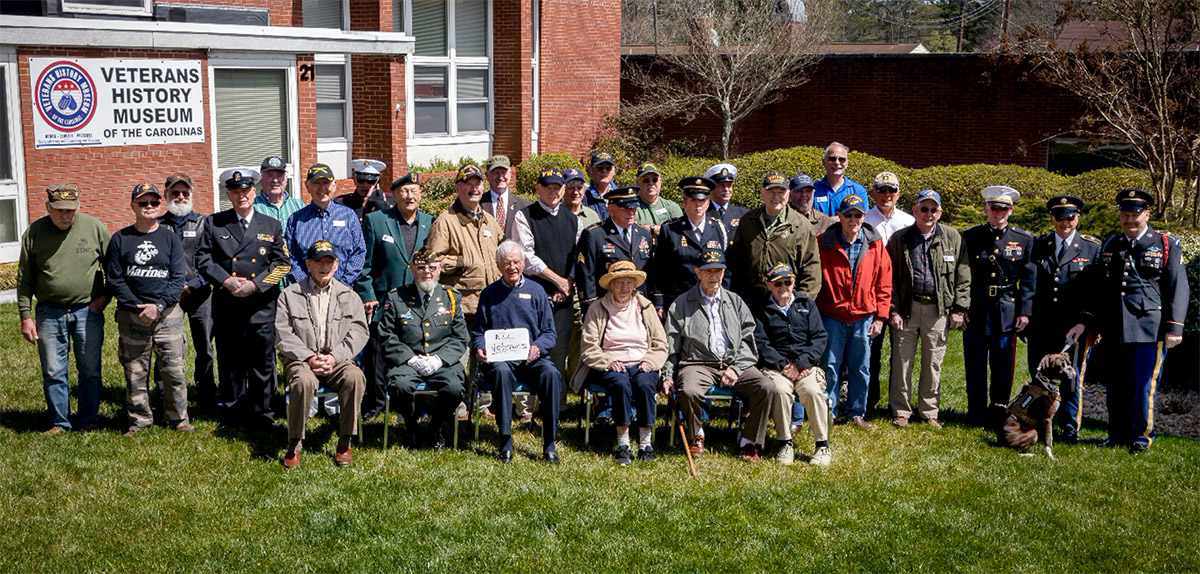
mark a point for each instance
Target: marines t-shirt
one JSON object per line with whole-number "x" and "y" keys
{"x": 145, "y": 267}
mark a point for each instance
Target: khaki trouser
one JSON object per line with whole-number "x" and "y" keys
{"x": 923, "y": 323}
{"x": 693, "y": 381}
{"x": 811, "y": 389}
{"x": 165, "y": 338}
{"x": 302, "y": 382}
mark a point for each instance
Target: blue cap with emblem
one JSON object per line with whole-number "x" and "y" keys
{"x": 712, "y": 259}
{"x": 800, "y": 181}
{"x": 550, "y": 176}
{"x": 697, "y": 186}
{"x": 929, "y": 194}
{"x": 624, "y": 196}
{"x": 573, "y": 173}
{"x": 851, "y": 202}
{"x": 239, "y": 177}
{"x": 780, "y": 271}
{"x": 600, "y": 157}
{"x": 1134, "y": 199}
{"x": 273, "y": 163}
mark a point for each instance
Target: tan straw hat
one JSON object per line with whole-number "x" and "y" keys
{"x": 623, "y": 268}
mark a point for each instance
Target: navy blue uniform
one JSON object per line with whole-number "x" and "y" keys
{"x": 1002, "y": 286}
{"x": 1139, "y": 293}
{"x": 730, "y": 215}
{"x": 1057, "y": 302}
{"x": 244, "y": 327}
{"x": 600, "y": 245}
{"x": 672, "y": 269}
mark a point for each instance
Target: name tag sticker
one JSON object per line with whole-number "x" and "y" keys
{"x": 525, "y": 295}
{"x": 190, "y": 233}
{"x": 947, "y": 257}
{"x": 388, "y": 238}
{"x": 660, "y": 210}
{"x": 339, "y": 223}
{"x": 486, "y": 232}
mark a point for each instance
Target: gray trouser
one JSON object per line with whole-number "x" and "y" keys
{"x": 346, "y": 378}
{"x": 925, "y": 324}
{"x": 811, "y": 390}
{"x": 164, "y": 338}
{"x": 693, "y": 381}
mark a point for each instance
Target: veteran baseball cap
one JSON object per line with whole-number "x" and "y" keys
{"x": 712, "y": 259}
{"x": 319, "y": 171}
{"x": 272, "y": 163}
{"x": 852, "y": 202}
{"x": 886, "y": 180}
{"x": 178, "y": 178}
{"x": 468, "y": 171}
{"x": 319, "y": 249}
{"x": 930, "y": 195}
{"x": 600, "y": 157}
{"x": 574, "y": 173}
{"x": 549, "y": 176}
{"x": 800, "y": 181}
{"x": 775, "y": 179}
{"x": 497, "y": 161}
{"x": 63, "y": 196}
{"x": 780, "y": 271}
{"x": 143, "y": 189}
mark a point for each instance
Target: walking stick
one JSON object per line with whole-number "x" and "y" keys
{"x": 1079, "y": 380}
{"x": 687, "y": 448}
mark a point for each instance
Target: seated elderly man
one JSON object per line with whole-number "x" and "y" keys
{"x": 623, "y": 347}
{"x": 791, "y": 339}
{"x": 320, "y": 326}
{"x": 512, "y": 302}
{"x": 423, "y": 337}
{"x": 703, "y": 353}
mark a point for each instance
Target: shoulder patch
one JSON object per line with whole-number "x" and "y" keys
{"x": 1089, "y": 238}
{"x": 594, "y": 225}
{"x": 1016, "y": 229}
{"x": 1174, "y": 238}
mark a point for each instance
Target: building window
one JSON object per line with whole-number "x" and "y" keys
{"x": 12, "y": 202}
{"x": 6, "y": 155}
{"x": 324, "y": 14}
{"x": 398, "y": 16}
{"x": 451, "y": 67}
{"x": 115, "y": 7}
{"x": 331, "y": 100}
{"x": 254, "y": 97}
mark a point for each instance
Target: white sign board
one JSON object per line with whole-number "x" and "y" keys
{"x": 97, "y": 102}
{"x": 506, "y": 345}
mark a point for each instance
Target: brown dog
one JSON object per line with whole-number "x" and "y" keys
{"x": 1031, "y": 412}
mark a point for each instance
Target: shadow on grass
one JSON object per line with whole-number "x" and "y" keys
{"x": 265, "y": 441}
{"x": 24, "y": 421}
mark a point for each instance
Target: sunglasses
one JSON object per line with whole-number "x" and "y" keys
{"x": 999, "y": 207}
{"x": 1065, "y": 217}
{"x": 837, "y": 158}
{"x": 649, "y": 180}
{"x": 886, "y": 190}
{"x": 604, "y": 167}
{"x": 783, "y": 283}
{"x": 149, "y": 203}
{"x": 927, "y": 209}
{"x": 365, "y": 180}
{"x": 853, "y": 214}
{"x": 178, "y": 193}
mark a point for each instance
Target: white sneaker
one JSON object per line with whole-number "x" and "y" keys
{"x": 786, "y": 454}
{"x": 821, "y": 457}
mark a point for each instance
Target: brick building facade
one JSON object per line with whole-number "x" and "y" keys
{"x": 403, "y": 81}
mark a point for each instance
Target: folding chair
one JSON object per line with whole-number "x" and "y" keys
{"x": 422, "y": 390}
{"x": 519, "y": 388}
{"x": 325, "y": 392}
{"x": 597, "y": 390}
{"x": 714, "y": 393}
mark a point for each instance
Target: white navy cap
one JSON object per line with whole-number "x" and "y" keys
{"x": 721, "y": 172}
{"x": 239, "y": 177}
{"x": 1000, "y": 194}
{"x": 371, "y": 167}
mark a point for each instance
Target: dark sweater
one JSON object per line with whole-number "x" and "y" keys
{"x": 145, "y": 267}
{"x": 526, "y": 305}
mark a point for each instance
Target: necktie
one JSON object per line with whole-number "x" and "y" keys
{"x": 1062, "y": 250}
{"x": 245, "y": 224}
{"x": 425, "y": 300}
{"x": 721, "y": 213}
{"x": 499, "y": 212}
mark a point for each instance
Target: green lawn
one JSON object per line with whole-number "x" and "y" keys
{"x": 894, "y": 500}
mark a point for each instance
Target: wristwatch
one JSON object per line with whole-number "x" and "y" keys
{"x": 160, "y": 308}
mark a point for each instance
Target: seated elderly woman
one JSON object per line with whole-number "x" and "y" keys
{"x": 623, "y": 347}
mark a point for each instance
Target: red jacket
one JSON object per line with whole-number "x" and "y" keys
{"x": 849, "y": 297}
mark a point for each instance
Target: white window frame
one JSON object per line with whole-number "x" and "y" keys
{"x": 451, "y": 62}
{"x": 345, "y": 17}
{"x": 286, "y": 62}
{"x": 14, "y": 188}
{"x": 339, "y": 144}
{"x": 79, "y": 7}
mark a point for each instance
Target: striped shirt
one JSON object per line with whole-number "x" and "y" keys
{"x": 339, "y": 225}
{"x": 286, "y": 208}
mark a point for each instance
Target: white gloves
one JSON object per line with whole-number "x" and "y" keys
{"x": 425, "y": 365}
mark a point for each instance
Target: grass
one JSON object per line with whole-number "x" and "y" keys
{"x": 894, "y": 500}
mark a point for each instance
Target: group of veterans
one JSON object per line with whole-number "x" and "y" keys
{"x": 594, "y": 287}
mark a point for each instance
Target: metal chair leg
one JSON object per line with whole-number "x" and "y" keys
{"x": 587, "y": 415}
{"x": 387, "y": 416}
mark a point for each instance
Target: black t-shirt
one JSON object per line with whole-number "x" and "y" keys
{"x": 145, "y": 267}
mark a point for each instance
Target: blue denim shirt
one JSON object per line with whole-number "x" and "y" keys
{"x": 338, "y": 224}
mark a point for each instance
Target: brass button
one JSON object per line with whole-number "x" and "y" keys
{"x": 993, "y": 274}
{"x": 253, "y": 275}
{"x": 253, "y": 260}
{"x": 1056, "y": 289}
{"x": 235, "y": 258}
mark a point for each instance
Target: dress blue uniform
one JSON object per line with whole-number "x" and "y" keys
{"x": 1002, "y": 286}
{"x": 602, "y": 244}
{"x": 244, "y": 327}
{"x": 1058, "y": 300}
{"x": 1139, "y": 294}
{"x": 672, "y": 269}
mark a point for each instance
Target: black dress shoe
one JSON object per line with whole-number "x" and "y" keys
{"x": 1137, "y": 448}
{"x": 1069, "y": 436}
{"x": 437, "y": 441}
{"x": 550, "y": 454}
{"x": 505, "y": 456}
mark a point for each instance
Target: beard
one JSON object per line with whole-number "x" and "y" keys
{"x": 180, "y": 208}
{"x": 427, "y": 286}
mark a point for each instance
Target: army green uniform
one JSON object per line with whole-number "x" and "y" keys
{"x": 437, "y": 327}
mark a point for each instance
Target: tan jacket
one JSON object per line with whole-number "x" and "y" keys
{"x": 468, "y": 247}
{"x": 295, "y": 330}
{"x": 593, "y": 357}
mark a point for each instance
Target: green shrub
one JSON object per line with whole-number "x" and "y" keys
{"x": 439, "y": 164}
{"x": 437, "y": 193}
{"x": 8, "y": 276}
{"x": 527, "y": 171}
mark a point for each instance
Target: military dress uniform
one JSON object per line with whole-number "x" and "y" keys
{"x": 677, "y": 251}
{"x": 1139, "y": 294}
{"x": 601, "y": 244}
{"x": 1058, "y": 301}
{"x": 1002, "y": 286}
{"x": 367, "y": 170}
{"x": 414, "y": 324}
{"x": 244, "y": 327}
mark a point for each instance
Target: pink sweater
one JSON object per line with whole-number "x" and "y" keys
{"x": 625, "y": 338}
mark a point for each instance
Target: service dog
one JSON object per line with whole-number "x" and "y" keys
{"x": 1031, "y": 412}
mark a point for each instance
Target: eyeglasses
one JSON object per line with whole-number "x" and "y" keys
{"x": 604, "y": 167}
{"x": 180, "y": 193}
{"x": 365, "y": 180}
{"x": 853, "y": 214}
{"x": 149, "y": 203}
{"x": 424, "y": 266}
{"x": 649, "y": 180}
{"x": 783, "y": 283}
{"x": 927, "y": 209}
{"x": 999, "y": 207}
{"x": 837, "y": 158}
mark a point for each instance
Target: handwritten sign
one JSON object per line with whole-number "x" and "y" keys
{"x": 506, "y": 345}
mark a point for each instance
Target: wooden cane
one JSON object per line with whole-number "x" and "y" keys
{"x": 687, "y": 448}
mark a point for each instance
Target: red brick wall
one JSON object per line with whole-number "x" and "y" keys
{"x": 512, "y": 74}
{"x": 378, "y": 100}
{"x": 106, "y": 174}
{"x": 580, "y": 72}
{"x": 371, "y": 15}
{"x": 917, "y": 110}
{"x": 306, "y": 107}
